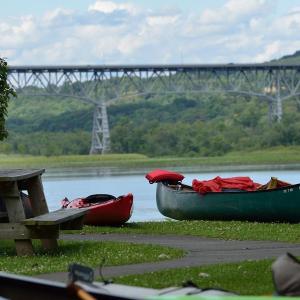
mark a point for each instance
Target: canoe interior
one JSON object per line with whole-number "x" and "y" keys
{"x": 182, "y": 203}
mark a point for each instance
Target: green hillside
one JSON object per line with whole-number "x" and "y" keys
{"x": 289, "y": 59}
{"x": 185, "y": 125}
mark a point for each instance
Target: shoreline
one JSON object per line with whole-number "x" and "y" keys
{"x": 286, "y": 158}
{"x": 116, "y": 171}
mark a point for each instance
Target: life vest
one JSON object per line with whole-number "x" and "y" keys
{"x": 163, "y": 175}
{"x": 219, "y": 184}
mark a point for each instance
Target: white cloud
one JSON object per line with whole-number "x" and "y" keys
{"x": 276, "y": 50}
{"x": 256, "y": 24}
{"x": 7, "y": 53}
{"x": 240, "y": 8}
{"x": 130, "y": 43}
{"x": 241, "y": 42}
{"x": 269, "y": 52}
{"x": 57, "y": 13}
{"x": 288, "y": 24}
{"x": 15, "y": 35}
{"x": 295, "y": 9}
{"x": 109, "y": 7}
{"x": 119, "y": 32}
{"x": 235, "y": 10}
{"x": 162, "y": 20}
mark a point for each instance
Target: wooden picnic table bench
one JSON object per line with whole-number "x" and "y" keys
{"x": 43, "y": 225}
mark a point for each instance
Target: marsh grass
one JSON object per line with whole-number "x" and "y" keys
{"x": 273, "y": 156}
{"x": 11, "y": 161}
{"x": 87, "y": 253}
{"x": 246, "y": 278}
{"x": 229, "y": 230}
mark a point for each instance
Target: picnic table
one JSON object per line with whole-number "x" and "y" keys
{"x": 44, "y": 225}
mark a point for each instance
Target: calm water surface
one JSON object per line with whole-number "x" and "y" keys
{"x": 81, "y": 183}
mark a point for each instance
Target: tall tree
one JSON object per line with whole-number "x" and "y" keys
{"x": 5, "y": 92}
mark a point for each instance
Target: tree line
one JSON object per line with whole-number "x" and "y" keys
{"x": 185, "y": 125}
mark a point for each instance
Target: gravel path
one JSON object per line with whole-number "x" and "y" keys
{"x": 200, "y": 251}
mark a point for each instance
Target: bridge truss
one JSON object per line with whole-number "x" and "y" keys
{"x": 101, "y": 85}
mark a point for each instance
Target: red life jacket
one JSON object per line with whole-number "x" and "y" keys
{"x": 218, "y": 184}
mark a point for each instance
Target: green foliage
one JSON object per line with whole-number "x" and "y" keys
{"x": 206, "y": 126}
{"x": 188, "y": 125}
{"x": 50, "y": 143}
{"x": 5, "y": 92}
{"x": 50, "y": 114}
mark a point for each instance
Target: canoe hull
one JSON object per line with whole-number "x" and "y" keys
{"x": 111, "y": 211}
{"x": 280, "y": 205}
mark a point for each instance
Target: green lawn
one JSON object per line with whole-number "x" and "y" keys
{"x": 87, "y": 253}
{"x": 230, "y": 230}
{"x": 247, "y": 278}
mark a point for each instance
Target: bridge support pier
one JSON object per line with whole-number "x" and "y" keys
{"x": 275, "y": 105}
{"x": 278, "y": 110}
{"x": 100, "y": 133}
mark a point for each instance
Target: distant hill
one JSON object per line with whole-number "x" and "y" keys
{"x": 288, "y": 59}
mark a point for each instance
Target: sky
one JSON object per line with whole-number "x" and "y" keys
{"x": 77, "y": 32}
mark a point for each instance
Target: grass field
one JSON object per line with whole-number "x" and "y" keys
{"x": 229, "y": 230}
{"x": 246, "y": 278}
{"x": 86, "y": 253}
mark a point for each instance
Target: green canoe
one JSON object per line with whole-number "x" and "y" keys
{"x": 181, "y": 202}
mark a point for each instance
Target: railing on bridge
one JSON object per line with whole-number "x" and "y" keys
{"x": 273, "y": 83}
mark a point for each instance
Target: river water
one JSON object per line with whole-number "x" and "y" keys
{"x": 83, "y": 182}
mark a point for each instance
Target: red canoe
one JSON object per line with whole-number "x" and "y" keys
{"x": 104, "y": 209}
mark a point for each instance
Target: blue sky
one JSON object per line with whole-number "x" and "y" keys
{"x": 36, "y": 7}
{"x": 169, "y": 31}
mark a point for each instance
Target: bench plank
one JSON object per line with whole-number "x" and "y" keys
{"x": 19, "y": 174}
{"x": 56, "y": 217}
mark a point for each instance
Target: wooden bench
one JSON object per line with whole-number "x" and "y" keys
{"x": 71, "y": 218}
{"x": 43, "y": 225}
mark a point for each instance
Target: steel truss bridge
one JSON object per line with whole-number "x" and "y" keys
{"x": 100, "y": 85}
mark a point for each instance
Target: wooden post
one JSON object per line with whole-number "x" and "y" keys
{"x": 39, "y": 205}
{"x": 15, "y": 212}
